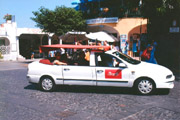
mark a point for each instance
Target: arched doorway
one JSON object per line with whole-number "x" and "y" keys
{"x": 4, "y": 41}
{"x": 54, "y": 39}
{"x": 137, "y": 39}
{"x": 105, "y": 28}
{"x": 108, "y": 29}
{"x": 4, "y": 45}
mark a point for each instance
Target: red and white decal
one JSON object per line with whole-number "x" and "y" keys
{"x": 113, "y": 74}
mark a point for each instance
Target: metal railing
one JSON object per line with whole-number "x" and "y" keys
{"x": 4, "y": 50}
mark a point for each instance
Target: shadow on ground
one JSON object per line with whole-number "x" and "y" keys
{"x": 96, "y": 89}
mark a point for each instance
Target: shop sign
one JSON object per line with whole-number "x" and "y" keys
{"x": 102, "y": 20}
{"x": 174, "y": 29}
{"x": 123, "y": 39}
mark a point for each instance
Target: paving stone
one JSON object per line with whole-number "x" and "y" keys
{"x": 20, "y": 100}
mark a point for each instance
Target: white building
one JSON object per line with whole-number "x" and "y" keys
{"x": 15, "y": 42}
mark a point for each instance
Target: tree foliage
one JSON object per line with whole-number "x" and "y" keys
{"x": 158, "y": 8}
{"x": 160, "y": 14}
{"x": 60, "y": 20}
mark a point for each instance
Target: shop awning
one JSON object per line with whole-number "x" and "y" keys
{"x": 71, "y": 37}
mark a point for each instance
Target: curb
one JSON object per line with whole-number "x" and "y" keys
{"x": 27, "y": 60}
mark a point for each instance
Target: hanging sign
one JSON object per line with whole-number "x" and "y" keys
{"x": 123, "y": 39}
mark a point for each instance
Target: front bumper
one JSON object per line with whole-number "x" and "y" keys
{"x": 168, "y": 83}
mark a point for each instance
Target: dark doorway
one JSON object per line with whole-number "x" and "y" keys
{"x": 29, "y": 43}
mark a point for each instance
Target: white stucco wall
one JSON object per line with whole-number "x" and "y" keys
{"x": 10, "y": 31}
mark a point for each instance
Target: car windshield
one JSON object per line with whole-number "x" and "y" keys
{"x": 126, "y": 58}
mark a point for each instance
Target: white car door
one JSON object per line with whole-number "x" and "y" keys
{"x": 109, "y": 73}
{"x": 79, "y": 75}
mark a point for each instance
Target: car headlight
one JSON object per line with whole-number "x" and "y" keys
{"x": 168, "y": 76}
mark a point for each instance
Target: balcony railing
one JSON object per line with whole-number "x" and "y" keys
{"x": 4, "y": 50}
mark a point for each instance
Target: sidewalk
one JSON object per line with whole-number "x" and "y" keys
{"x": 23, "y": 60}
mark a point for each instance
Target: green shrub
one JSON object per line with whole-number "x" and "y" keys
{"x": 1, "y": 57}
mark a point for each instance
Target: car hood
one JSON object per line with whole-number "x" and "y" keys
{"x": 152, "y": 68}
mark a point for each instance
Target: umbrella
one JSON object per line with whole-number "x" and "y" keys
{"x": 101, "y": 36}
{"x": 70, "y": 37}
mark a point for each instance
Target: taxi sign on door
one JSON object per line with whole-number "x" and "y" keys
{"x": 113, "y": 74}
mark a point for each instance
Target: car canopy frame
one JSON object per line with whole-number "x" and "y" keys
{"x": 47, "y": 48}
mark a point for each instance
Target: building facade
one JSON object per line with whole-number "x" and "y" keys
{"x": 113, "y": 17}
{"x": 116, "y": 17}
{"x": 18, "y": 43}
{"x": 127, "y": 22}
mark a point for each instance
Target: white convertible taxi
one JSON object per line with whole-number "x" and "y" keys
{"x": 104, "y": 68}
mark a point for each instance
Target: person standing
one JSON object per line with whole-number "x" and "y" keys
{"x": 152, "y": 58}
{"x": 32, "y": 53}
{"x": 148, "y": 53}
{"x": 134, "y": 47}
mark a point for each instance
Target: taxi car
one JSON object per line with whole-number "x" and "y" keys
{"x": 105, "y": 68}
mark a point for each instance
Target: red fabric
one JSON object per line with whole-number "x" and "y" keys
{"x": 106, "y": 49}
{"x": 46, "y": 61}
{"x": 146, "y": 55}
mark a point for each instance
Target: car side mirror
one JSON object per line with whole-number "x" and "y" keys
{"x": 122, "y": 65}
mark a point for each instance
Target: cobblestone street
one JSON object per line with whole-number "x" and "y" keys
{"x": 20, "y": 100}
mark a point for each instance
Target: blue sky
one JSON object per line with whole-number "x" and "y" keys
{"x": 22, "y": 9}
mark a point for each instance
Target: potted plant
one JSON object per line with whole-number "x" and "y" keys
{"x": 8, "y": 17}
{"x": 1, "y": 57}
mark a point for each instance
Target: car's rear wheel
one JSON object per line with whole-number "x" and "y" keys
{"x": 145, "y": 86}
{"x": 47, "y": 84}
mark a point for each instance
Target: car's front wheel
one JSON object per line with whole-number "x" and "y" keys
{"x": 47, "y": 84}
{"x": 145, "y": 86}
